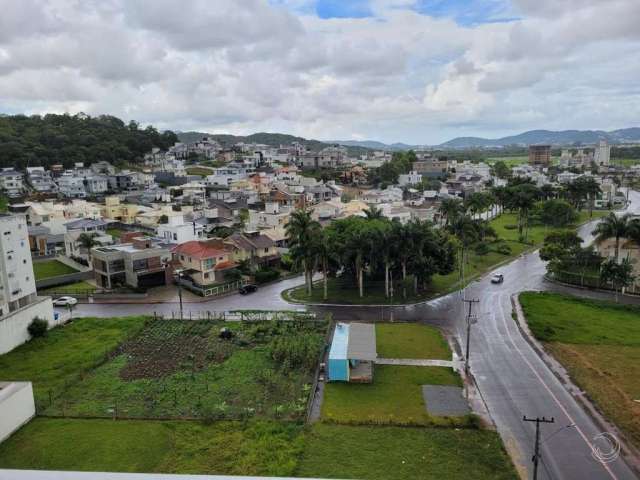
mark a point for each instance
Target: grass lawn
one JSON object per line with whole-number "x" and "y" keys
{"x": 599, "y": 344}
{"x": 114, "y": 232}
{"x": 51, "y": 268}
{"x": 257, "y": 448}
{"x": 411, "y": 340}
{"x": 76, "y": 287}
{"x": 202, "y": 171}
{"x": 58, "y": 359}
{"x": 403, "y": 453}
{"x": 4, "y": 203}
{"x": 394, "y": 397}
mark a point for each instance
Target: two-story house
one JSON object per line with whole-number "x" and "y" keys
{"x": 204, "y": 263}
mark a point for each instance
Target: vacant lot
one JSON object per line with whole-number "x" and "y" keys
{"x": 403, "y": 453}
{"x": 58, "y": 360}
{"x": 170, "y": 369}
{"x": 599, "y": 344}
{"x": 394, "y": 397}
{"x": 410, "y": 340}
{"x": 51, "y": 268}
{"x": 257, "y": 448}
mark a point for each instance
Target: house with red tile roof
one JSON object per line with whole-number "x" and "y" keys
{"x": 204, "y": 262}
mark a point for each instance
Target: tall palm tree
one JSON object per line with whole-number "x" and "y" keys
{"x": 450, "y": 209}
{"x": 613, "y": 226}
{"x": 302, "y": 232}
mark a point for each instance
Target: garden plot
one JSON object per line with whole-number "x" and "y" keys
{"x": 175, "y": 369}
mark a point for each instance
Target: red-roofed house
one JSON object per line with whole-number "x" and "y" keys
{"x": 204, "y": 262}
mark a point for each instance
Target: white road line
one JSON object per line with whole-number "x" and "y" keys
{"x": 564, "y": 410}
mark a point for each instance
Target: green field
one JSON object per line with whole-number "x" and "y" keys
{"x": 51, "y": 268}
{"x": 170, "y": 369}
{"x": 514, "y": 161}
{"x": 257, "y": 448}
{"x": 202, "y": 171}
{"x": 411, "y": 340}
{"x": 403, "y": 453}
{"x": 599, "y": 344}
{"x": 394, "y": 397}
{"x": 114, "y": 232}
{"x": 71, "y": 288}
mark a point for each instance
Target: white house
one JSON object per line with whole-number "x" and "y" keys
{"x": 71, "y": 185}
{"x": 411, "y": 178}
{"x": 176, "y": 230}
{"x": 11, "y": 181}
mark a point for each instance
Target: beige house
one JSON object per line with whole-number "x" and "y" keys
{"x": 121, "y": 212}
{"x": 204, "y": 263}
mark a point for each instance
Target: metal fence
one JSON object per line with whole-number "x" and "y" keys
{"x": 590, "y": 281}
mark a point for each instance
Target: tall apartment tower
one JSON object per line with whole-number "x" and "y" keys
{"x": 19, "y": 302}
{"x": 540, "y": 155}
{"x": 602, "y": 154}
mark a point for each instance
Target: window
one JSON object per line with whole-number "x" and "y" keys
{"x": 24, "y": 261}
{"x": 266, "y": 250}
{"x": 175, "y": 236}
{"x": 206, "y": 275}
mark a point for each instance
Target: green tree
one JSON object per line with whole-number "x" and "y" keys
{"x": 556, "y": 213}
{"x": 619, "y": 275}
{"x": 613, "y": 226}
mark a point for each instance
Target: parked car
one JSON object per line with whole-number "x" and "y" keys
{"x": 497, "y": 278}
{"x": 248, "y": 288}
{"x": 65, "y": 301}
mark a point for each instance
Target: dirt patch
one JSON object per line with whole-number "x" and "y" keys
{"x": 165, "y": 348}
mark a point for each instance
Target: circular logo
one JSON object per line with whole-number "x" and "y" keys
{"x": 605, "y": 447}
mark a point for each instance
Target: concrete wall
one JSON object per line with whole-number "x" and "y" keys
{"x": 16, "y": 406}
{"x": 13, "y": 327}
{"x": 64, "y": 279}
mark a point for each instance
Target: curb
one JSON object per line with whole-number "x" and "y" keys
{"x": 630, "y": 454}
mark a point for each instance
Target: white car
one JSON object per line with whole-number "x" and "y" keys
{"x": 497, "y": 278}
{"x": 65, "y": 301}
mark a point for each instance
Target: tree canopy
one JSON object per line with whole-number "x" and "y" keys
{"x": 66, "y": 139}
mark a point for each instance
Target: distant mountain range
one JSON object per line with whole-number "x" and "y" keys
{"x": 565, "y": 137}
{"x": 355, "y": 147}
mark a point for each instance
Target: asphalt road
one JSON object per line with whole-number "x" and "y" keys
{"x": 512, "y": 378}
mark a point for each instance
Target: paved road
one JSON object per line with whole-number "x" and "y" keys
{"x": 512, "y": 378}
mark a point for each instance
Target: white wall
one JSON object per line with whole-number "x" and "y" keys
{"x": 16, "y": 406}
{"x": 13, "y": 327}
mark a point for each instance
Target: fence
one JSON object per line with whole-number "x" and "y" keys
{"x": 590, "y": 281}
{"x": 242, "y": 315}
{"x": 63, "y": 279}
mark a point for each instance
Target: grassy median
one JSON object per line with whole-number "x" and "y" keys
{"x": 599, "y": 344}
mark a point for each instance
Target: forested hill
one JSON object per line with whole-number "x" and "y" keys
{"x": 66, "y": 139}
{"x": 272, "y": 139}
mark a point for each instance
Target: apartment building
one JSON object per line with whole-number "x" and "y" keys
{"x": 19, "y": 303}
{"x": 142, "y": 263}
{"x": 540, "y": 155}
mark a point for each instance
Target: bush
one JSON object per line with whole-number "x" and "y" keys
{"x": 38, "y": 328}
{"x": 510, "y": 227}
{"x": 503, "y": 249}
{"x": 267, "y": 275}
{"x": 482, "y": 248}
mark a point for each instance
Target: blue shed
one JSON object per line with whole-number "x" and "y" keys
{"x": 352, "y": 353}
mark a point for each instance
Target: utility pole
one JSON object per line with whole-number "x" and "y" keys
{"x": 179, "y": 272}
{"x": 536, "y": 452}
{"x": 469, "y": 321}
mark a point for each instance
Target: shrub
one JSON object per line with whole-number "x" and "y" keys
{"x": 38, "y": 328}
{"x": 267, "y": 275}
{"x": 294, "y": 352}
{"x": 482, "y": 248}
{"x": 503, "y": 249}
{"x": 510, "y": 227}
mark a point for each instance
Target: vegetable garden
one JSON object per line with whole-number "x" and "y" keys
{"x": 206, "y": 369}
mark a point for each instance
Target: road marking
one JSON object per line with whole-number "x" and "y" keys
{"x": 564, "y": 410}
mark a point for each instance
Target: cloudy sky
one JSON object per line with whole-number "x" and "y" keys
{"x": 416, "y": 71}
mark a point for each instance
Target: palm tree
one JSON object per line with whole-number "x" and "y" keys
{"x": 88, "y": 241}
{"x": 373, "y": 213}
{"x": 450, "y": 209}
{"x": 302, "y": 232}
{"x": 613, "y": 226}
